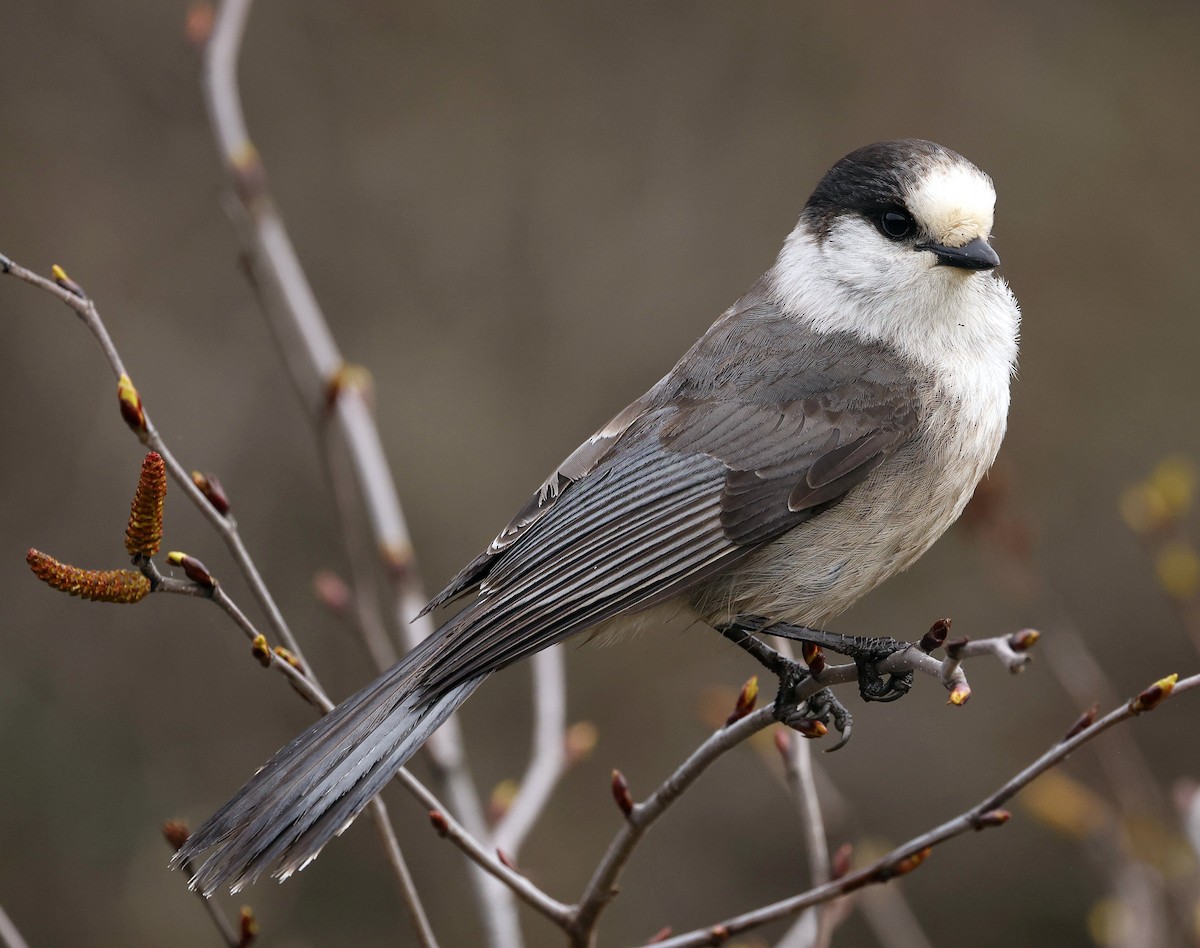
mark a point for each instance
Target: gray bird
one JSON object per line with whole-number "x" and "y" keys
{"x": 816, "y": 440}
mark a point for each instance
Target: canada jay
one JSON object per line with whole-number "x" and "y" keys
{"x": 817, "y": 439}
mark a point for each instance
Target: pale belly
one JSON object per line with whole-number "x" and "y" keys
{"x": 819, "y": 569}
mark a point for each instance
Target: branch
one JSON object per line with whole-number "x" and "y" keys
{"x": 548, "y": 759}
{"x": 303, "y": 681}
{"x": 601, "y": 888}
{"x": 449, "y": 828}
{"x": 909, "y": 855}
{"x": 70, "y": 293}
{"x": 813, "y": 929}
{"x": 9, "y": 936}
{"x": 320, "y": 375}
{"x": 408, "y": 888}
{"x": 798, "y": 771}
{"x": 176, "y": 834}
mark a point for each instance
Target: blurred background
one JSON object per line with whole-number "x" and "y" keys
{"x": 517, "y": 215}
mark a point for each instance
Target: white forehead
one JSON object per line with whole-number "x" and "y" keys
{"x": 954, "y": 201}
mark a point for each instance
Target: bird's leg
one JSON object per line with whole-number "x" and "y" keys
{"x": 822, "y": 706}
{"x": 866, "y": 651}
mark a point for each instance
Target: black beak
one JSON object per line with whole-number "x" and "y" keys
{"x": 977, "y": 255}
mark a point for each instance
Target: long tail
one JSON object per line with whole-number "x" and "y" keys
{"x": 313, "y": 788}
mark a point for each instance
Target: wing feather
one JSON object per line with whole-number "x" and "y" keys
{"x": 694, "y": 475}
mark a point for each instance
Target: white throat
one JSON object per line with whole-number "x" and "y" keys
{"x": 947, "y": 319}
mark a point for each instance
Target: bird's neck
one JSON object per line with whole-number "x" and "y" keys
{"x": 951, "y": 321}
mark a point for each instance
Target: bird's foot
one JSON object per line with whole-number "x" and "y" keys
{"x": 799, "y": 713}
{"x": 866, "y": 651}
{"x": 821, "y": 708}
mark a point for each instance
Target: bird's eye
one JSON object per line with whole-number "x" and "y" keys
{"x": 896, "y": 224}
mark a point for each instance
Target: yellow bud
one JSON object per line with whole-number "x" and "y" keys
{"x": 286, "y": 655}
{"x": 746, "y": 700}
{"x": 131, "y": 405}
{"x": 261, "y": 650}
{"x": 1150, "y": 698}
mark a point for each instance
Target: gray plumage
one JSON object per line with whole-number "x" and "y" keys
{"x": 786, "y": 465}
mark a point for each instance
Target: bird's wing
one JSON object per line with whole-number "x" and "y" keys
{"x": 688, "y": 486}
{"x": 581, "y": 462}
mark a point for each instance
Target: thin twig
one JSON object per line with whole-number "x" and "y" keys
{"x": 1138, "y": 886}
{"x": 222, "y": 924}
{"x": 302, "y": 680}
{"x": 813, "y": 928}
{"x": 370, "y": 624}
{"x": 548, "y": 758}
{"x": 305, "y": 682}
{"x": 800, "y": 777}
{"x": 601, "y": 888}
{"x": 417, "y": 916}
{"x": 225, "y": 525}
{"x": 316, "y": 367}
{"x": 909, "y": 855}
{"x": 451, "y": 829}
{"x": 9, "y": 936}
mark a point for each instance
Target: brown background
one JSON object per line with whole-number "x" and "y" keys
{"x": 518, "y": 215}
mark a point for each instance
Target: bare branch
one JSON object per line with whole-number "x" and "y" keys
{"x": 224, "y": 524}
{"x": 301, "y": 679}
{"x": 909, "y": 855}
{"x": 9, "y": 936}
{"x": 446, "y": 826}
{"x": 548, "y": 759}
{"x": 319, "y": 374}
{"x": 408, "y": 888}
{"x": 176, "y": 834}
{"x": 798, "y": 770}
{"x": 304, "y": 681}
{"x": 601, "y": 888}
{"x": 815, "y": 931}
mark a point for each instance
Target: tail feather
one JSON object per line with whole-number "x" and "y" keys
{"x": 313, "y": 788}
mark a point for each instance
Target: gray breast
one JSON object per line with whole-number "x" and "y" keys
{"x": 816, "y": 571}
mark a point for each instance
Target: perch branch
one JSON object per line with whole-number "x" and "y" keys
{"x": 601, "y": 888}
{"x": 909, "y": 855}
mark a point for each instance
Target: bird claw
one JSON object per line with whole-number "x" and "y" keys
{"x": 822, "y": 707}
{"x": 826, "y": 708}
{"x": 873, "y": 686}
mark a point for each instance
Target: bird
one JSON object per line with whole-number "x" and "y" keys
{"x": 815, "y": 440}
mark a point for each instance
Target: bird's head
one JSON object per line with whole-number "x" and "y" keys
{"x": 895, "y": 241}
